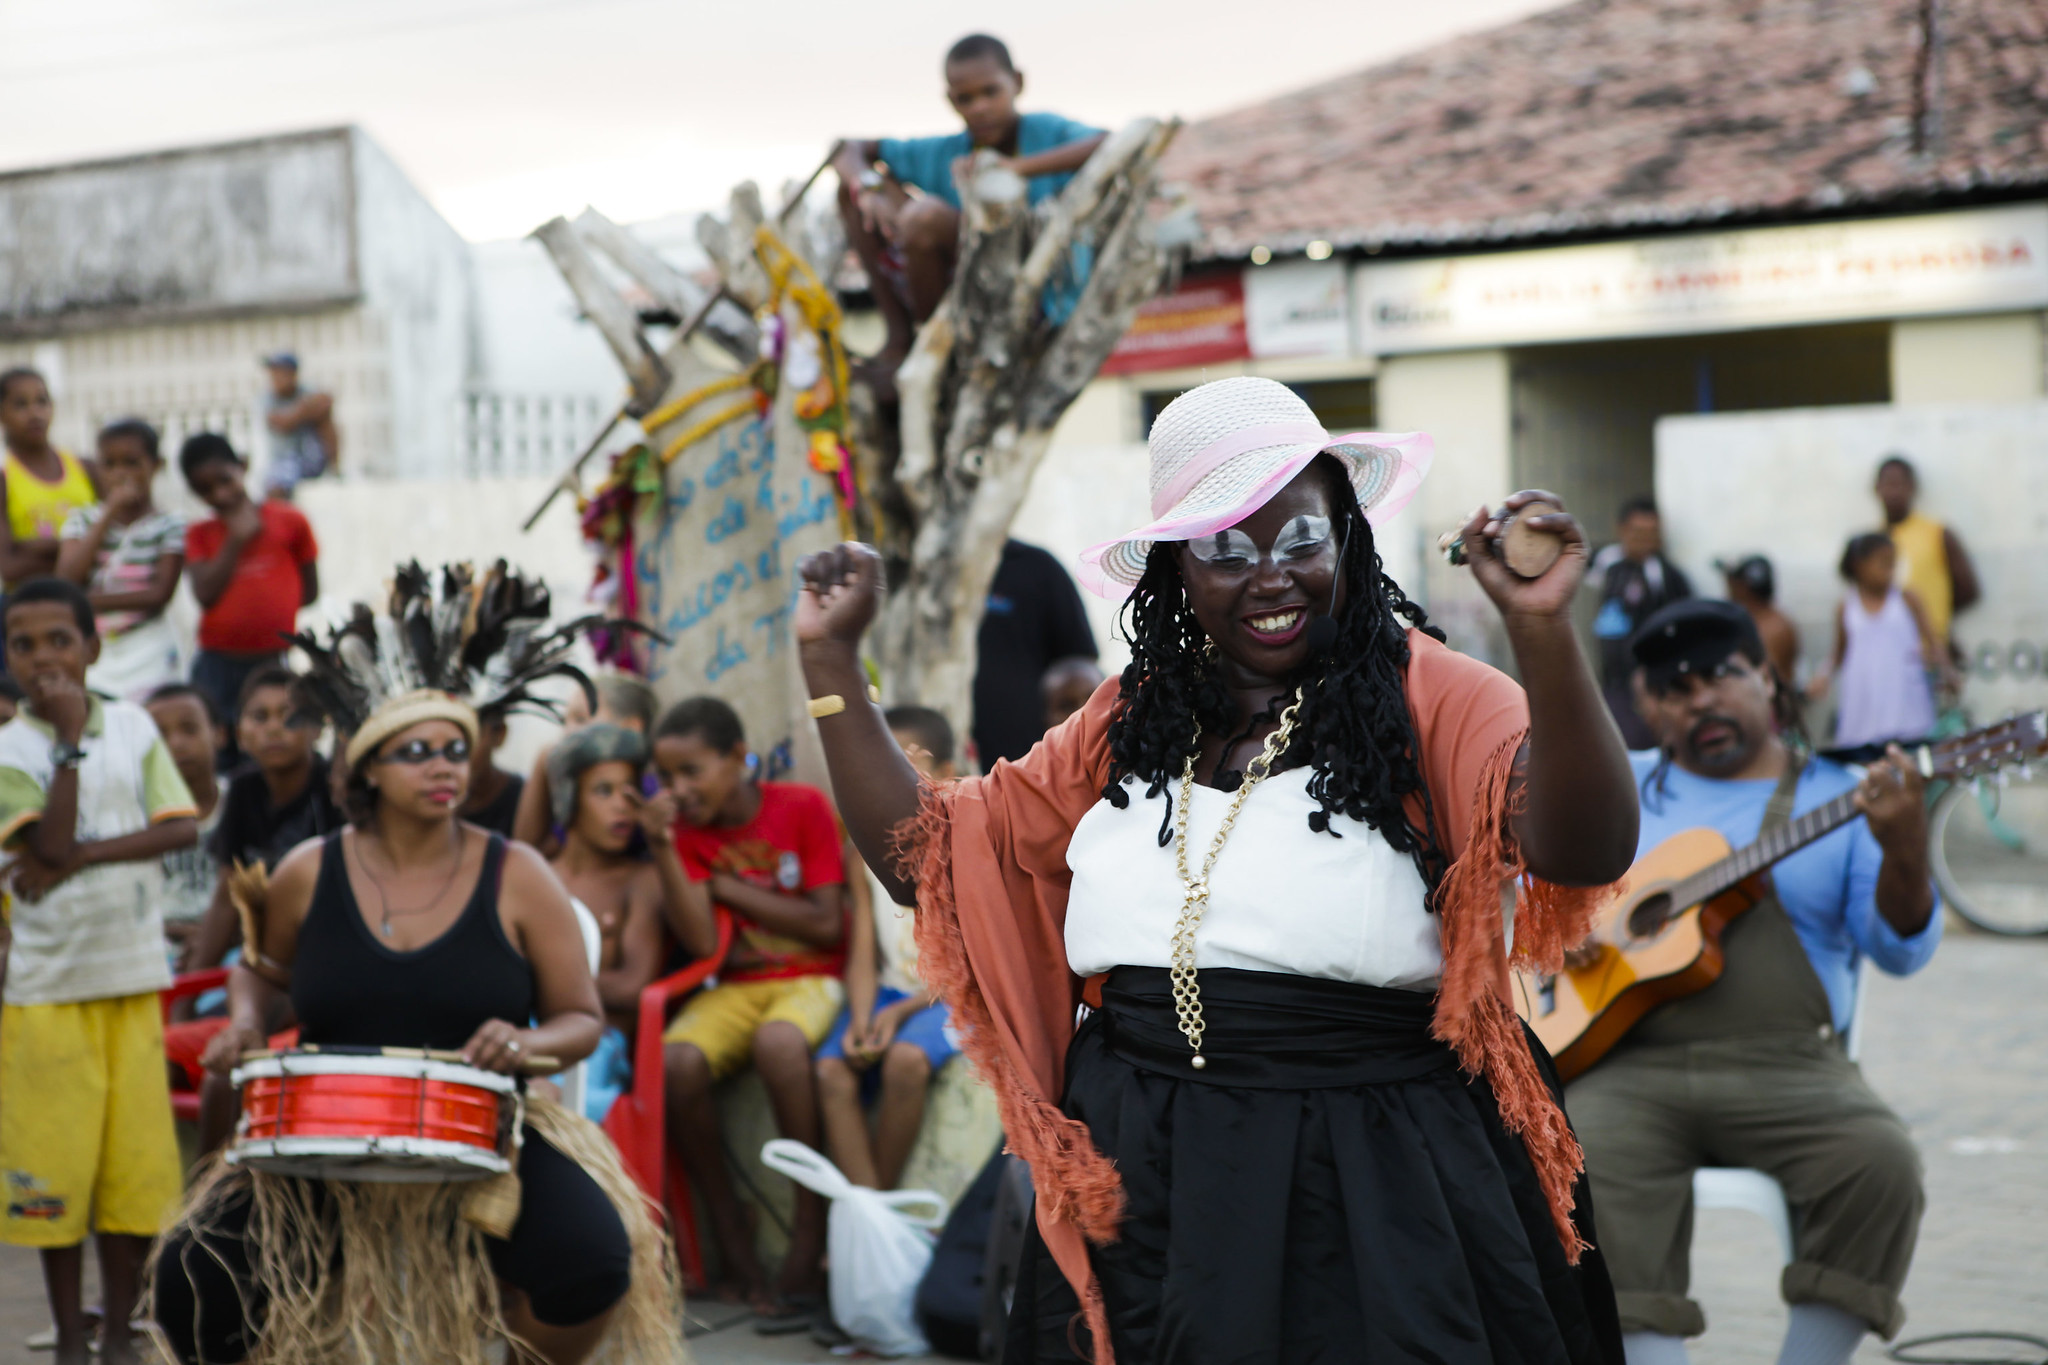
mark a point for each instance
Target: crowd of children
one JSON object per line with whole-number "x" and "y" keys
{"x": 132, "y": 789}
{"x": 117, "y": 814}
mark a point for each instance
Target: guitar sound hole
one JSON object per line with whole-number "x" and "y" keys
{"x": 1650, "y": 915}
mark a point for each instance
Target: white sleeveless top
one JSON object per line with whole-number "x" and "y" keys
{"x": 1282, "y": 898}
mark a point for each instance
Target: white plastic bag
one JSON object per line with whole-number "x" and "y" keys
{"x": 880, "y": 1244}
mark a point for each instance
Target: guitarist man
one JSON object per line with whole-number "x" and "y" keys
{"x": 1750, "y": 1071}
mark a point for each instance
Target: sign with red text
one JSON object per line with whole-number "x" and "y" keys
{"x": 1201, "y": 323}
{"x": 1975, "y": 261}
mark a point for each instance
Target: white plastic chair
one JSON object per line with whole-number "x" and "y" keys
{"x": 1739, "y": 1187}
{"x": 573, "y": 1081}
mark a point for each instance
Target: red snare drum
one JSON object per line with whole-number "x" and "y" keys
{"x": 394, "y": 1116}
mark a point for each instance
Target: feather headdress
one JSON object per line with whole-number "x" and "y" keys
{"x": 487, "y": 641}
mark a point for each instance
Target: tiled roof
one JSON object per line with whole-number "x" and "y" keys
{"x": 1625, "y": 115}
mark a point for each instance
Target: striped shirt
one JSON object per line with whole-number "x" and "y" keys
{"x": 99, "y": 933}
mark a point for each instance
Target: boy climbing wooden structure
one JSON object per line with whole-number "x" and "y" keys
{"x": 703, "y": 522}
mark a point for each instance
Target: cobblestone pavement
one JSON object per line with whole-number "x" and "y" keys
{"x": 1960, "y": 1050}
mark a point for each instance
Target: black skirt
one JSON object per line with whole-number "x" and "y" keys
{"x": 1329, "y": 1188}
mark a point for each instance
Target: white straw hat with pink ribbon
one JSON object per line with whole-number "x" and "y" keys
{"x": 1220, "y": 453}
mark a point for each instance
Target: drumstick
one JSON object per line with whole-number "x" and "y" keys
{"x": 539, "y": 1063}
{"x": 1526, "y": 551}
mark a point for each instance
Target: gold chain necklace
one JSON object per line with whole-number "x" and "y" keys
{"x": 1187, "y": 996}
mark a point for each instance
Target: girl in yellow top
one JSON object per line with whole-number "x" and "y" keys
{"x": 40, "y": 485}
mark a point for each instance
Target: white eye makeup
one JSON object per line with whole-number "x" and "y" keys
{"x": 1302, "y": 540}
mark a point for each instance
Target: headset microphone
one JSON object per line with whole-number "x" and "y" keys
{"x": 1321, "y": 635}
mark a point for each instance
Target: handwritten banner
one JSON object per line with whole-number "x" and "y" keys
{"x": 718, "y": 571}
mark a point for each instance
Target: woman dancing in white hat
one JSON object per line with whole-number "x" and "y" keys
{"x": 1301, "y": 1123}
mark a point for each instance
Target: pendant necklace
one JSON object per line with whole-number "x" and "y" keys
{"x": 384, "y": 898}
{"x": 1187, "y": 996}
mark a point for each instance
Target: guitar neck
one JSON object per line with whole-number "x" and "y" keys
{"x": 1780, "y": 843}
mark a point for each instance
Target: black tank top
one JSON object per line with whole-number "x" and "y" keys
{"x": 352, "y": 991}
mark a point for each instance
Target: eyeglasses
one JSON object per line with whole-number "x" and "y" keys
{"x": 1301, "y": 543}
{"x": 1671, "y": 680}
{"x": 418, "y": 751}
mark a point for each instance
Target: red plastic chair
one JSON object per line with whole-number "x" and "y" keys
{"x": 637, "y": 1123}
{"x": 185, "y": 1101}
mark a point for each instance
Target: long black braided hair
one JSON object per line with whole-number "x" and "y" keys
{"x": 1354, "y": 729}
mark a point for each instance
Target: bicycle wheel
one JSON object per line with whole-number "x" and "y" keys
{"x": 1989, "y": 848}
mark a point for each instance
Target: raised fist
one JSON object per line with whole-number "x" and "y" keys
{"x": 842, "y": 589}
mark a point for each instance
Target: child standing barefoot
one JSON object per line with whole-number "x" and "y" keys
{"x": 1883, "y": 651}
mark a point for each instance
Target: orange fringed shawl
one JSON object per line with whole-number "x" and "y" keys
{"x": 989, "y": 856}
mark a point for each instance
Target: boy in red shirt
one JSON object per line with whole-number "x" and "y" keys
{"x": 252, "y": 565}
{"x": 770, "y": 852}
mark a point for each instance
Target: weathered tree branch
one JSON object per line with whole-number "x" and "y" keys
{"x": 728, "y": 326}
{"x": 612, "y": 316}
{"x": 986, "y": 380}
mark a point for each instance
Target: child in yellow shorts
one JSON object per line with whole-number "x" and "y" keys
{"x": 90, "y": 801}
{"x": 770, "y": 852}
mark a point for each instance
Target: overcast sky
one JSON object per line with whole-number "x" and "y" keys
{"x": 506, "y": 112}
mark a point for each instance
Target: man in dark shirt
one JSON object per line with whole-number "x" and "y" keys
{"x": 279, "y": 801}
{"x": 1034, "y": 618}
{"x": 1634, "y": 580}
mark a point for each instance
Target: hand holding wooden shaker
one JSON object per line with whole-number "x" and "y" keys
{"x": 1527, "y": 552}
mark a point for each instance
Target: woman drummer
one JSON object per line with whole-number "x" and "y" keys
{"x": 1302, "y": 1123}
{"x": 412, "y": 929}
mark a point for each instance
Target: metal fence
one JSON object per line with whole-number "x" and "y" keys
{"x": 513, "y": 435}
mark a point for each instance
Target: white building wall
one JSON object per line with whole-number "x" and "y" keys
{"x": 1461, "y": 398}
{"x": 418, "y": 281}
{"x": 1722, "y": 485}
{"x": 184, "y": 377}
{"x": 1992, "y": 358}
{"x": 1090, "y": 486}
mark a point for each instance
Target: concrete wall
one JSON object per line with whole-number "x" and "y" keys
{"x": 532, "y": 337}
{"x": 419, "y": 281}
{"x": 265, "y": 224}
{"x": 1462, "y": 399}
{"x": 1795, "y": 485}
{"x": 204, "y": 375}
{"x": 1994, "y": 358}
{"x": 150, "y": 286}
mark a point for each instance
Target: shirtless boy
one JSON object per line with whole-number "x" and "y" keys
{"x": 594, "y": 782}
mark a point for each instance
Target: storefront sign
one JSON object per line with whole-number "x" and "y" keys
{"x": 1201, "y": 323}
{"x": 1297, "y": 308}
{"x": 1981, "y": 260}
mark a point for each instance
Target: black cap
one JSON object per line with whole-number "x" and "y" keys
{"x": 1691, "y": 637}
{"x": 1752, "y": 572}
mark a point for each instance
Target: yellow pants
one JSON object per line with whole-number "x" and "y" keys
{"x": 721, "y": 1022}
{"x": 86, "y": 1142}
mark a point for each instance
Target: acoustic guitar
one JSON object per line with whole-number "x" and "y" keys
{"x": 1660, "y": 938}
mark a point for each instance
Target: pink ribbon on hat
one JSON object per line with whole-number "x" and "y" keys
{"x": 1224, "y": 449}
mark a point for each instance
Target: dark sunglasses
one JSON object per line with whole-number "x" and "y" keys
{"x": 418, "y": 751}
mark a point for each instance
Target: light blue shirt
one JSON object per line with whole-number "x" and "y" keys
{"x": 927, "y": 163}
{"x": 1828, "y": 888}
